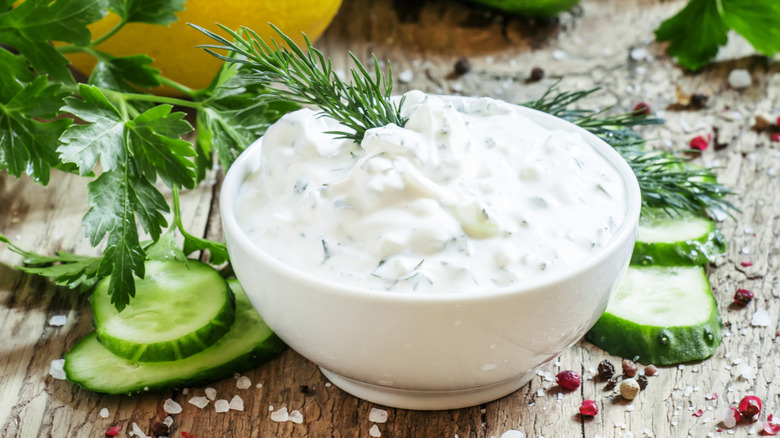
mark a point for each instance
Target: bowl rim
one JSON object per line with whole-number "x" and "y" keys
{"x": 247, "y": 162}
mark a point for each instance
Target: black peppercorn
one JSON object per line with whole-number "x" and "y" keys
{"x": 537, "y": 74}
{"x": 160, "y": 429}
{"x": 606, "y": 369}
{"x": 642, "y": 381}
{"x": 462, "y": 66}
{"x": 699, "y": 100}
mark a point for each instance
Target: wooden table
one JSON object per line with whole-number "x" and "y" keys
{"x": 606, "y": 43}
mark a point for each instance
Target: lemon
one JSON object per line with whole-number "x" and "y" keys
{"x": 173, "y": 46}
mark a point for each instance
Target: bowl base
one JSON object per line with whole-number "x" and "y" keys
{"x": 427, "y": 400}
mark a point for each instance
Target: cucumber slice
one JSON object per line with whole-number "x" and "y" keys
{"x": 249, "y": 343}
{"x": 179, "y": 309}
{"x": 663, "y": 314}
{"x": 681, "y": 240}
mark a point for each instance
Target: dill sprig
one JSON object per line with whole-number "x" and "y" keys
{"x": 307, "y": 77}
{"x": 667, "y": 181}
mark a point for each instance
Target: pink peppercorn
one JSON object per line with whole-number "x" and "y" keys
{"x": 642, "y": 109}
{"x": 568, "y": 380}
{"x": 698, "y": 413}
{"x": 112, "y": 431}
{"x": 700, "y": 143}
{"x": 750, "y": 406}
{"x": 770, "y": 427}
{"x": 743, "y": 297}
{"x": 588, "y": 408}
{"x": 746, "y": 263}
{"x": 775, "y": 136}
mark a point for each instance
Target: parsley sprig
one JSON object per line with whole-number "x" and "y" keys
{"x": 307, "y": 77}
{"x": 666, "y": 180}
{"x": 697, "y": 32}
{"x": 127, "y": 139}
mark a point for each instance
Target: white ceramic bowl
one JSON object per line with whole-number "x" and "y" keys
{"x": 431, "y": 351}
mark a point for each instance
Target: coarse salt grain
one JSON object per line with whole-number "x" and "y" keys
{"x": 405, "y": 76}
{"x": 377, "y": 415}
{"x": 200, "y": 402}
{"x": 236, "y": 403}
{"x": 260, "y": 385}
{"x": 296, "y": 417}
{"x": 280, "y": 416}
{"x": 185, "y": 391}
{"x": 171, "y": 407}
{"x": 374, "y": 431}
{"x": 243, "y": 382}
{"x": 739, "y": 78}
{"x": 168, "y": 421}
{"x": 746, "y": 372}
{"x": 211, "y": 393}
{"x": 513, "y": 434}
{"x": 761, "y": 318}
{"x": 56, "y": 369}
{"x": 138, "y": 432}
{"x": 221, "y": 405}
{"x": 730, "y": 417}
{"x": 103, "y": 413}
{"x": 58, "y": 320}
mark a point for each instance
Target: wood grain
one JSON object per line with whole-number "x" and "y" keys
{"x": 587, "y": 48}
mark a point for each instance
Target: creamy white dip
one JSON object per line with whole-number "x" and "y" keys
{"x": 469, "y": 195}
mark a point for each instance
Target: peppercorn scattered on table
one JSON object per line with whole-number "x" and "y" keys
{"x": 457, "y": 48}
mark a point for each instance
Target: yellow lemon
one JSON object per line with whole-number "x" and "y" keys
{"x": 173, "y": 46}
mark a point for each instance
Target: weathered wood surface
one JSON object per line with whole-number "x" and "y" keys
{"x": 588, "y": 48}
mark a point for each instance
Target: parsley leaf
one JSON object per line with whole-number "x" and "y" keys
{"x": 233, "y": 119}
{"x": 147, "y": 11}
{"x": 156, "y": 145}
{"x": 121, "y": 73}
{"x": 166, "y": 248}
{"x": 696, "y": 33}
{"x": 111, "y": 199}
{"x": 102, "y": 138}
{"x": 31, "y": 26}
{"x": 66, "y": 269}
{"x": 217, "y": 250}
{"x": 26, "y": 144}
{"x": 757, "y": 21}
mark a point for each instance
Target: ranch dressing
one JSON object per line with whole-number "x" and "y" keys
{"x": 468, "y": 195}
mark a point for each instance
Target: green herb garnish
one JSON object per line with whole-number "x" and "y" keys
{"x": 667, "y": 181}
{"x": 127, "y": 139}
{"x": 307, "y": 77}
{"x": 702, "y": 26}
